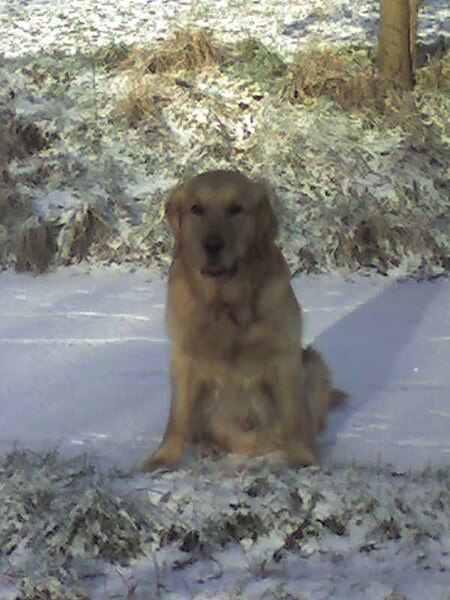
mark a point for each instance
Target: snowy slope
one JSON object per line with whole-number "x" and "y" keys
{"x": 96, "y": 145}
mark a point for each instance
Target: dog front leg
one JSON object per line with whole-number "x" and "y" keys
{"x": 186, "y": 389}
{"x": 296, "y": 429}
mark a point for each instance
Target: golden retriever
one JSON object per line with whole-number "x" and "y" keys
{"x": 241, "y": 381}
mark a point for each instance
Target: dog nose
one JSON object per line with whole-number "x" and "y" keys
{"x": 212, "y": 245}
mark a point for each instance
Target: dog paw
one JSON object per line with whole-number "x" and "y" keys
{"x": 301, "y": 456}
{"x": 163, "y": 458}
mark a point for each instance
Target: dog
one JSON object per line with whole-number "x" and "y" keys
{"x": 241, "y": 381}
{"x": 251, "y": 428}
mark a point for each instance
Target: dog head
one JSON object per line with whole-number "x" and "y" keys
{"x": 222, "y": 221}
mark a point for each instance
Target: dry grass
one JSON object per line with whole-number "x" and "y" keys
{"x": 243, "y": 106}
{"x": 18, "y": 139}
{"x": 350, "y": 78}
{"x": 254, "y": 60}
{"x": 112, "y": 56}
{"x": 377, "y": 239}
{"x": 435, "y": 74}
{"x": 13, "y": 209}
{"x": 141, "y": 102}
{"x": 376, "y": 233}
{"x": 189, "y": 52}
{"x": 34, "y": 246}
{"x": 145, "y": 94}
{"x": 364, "y": 230}
{"x": 26, "y": 236}
{"x": 12, "y": 206}
{"x": 49, "y": 589}
{"x": 186, "y": 50}
{"x": 344, "y": 76}
{"x": 81, "y": 232}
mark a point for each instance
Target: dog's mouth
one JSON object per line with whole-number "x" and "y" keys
{"x": 219, "y": 271}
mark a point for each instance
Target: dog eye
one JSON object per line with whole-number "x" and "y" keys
{"x": 197, "y": 209}
{"x": 235, "y": 209}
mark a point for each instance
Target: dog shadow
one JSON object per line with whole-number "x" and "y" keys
{"x": 362, "y": 348}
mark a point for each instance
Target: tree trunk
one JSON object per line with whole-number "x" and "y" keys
{"x": 397, "y": 40}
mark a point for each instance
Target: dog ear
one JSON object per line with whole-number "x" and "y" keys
{"x": 173, "y": 213}
{"x": 267, "y": 221}
{"x": 173, "y": 208}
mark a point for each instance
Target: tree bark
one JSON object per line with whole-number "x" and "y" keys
{"x": 397, "y": 40}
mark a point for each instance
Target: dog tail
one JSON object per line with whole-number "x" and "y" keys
{"x": 337, "y": 397}
{"x": 312, "y": 358}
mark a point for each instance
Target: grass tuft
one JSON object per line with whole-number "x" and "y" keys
{"x": 435, "y": 74}
{"x": 254, "y": 60}
{"x": 185, "y": 50}
{"x": 344, "y": 76}
{"x": 34, "y": 246}
{"x": 81, "y": 230}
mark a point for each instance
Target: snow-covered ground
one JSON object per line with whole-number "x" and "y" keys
{"x": 85, "y": 357}
{"x": 26, "y": 26}
{"x": 83, "y": 367}
{"x": 84, "y": 353}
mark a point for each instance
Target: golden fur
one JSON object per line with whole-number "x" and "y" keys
{"x": 240, "y": 379}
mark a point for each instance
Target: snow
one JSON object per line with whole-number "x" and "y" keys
{"x": 26, "y": 26}
{"x": 64, "y": 325}
{"x": 95, "y": 354}
{"x": 84, "y": 359}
